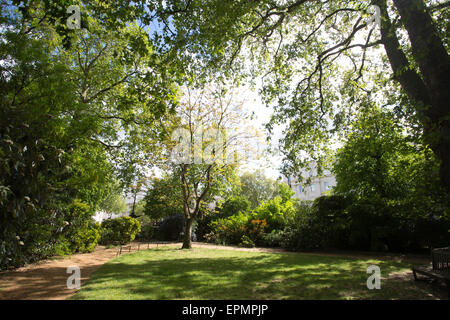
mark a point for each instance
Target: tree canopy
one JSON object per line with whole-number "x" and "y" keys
{"x": 319, "y": 61}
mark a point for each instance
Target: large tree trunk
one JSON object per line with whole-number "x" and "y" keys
{"x": 429, "y": 90}
{"x": 187, "y": 242}
{"x": 434, "y": 64}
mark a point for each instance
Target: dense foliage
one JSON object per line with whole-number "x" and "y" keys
{"x": 120, "y": 230}
{"x": 163, "y": 198}
{"x": 388, "y": 194}
{"x": 318, "y": 61}
{"x": 72, "y": 101}
{"x": 253, "y": 224}
{"x": 84, "y": 108}
{"x": 233, "y": 205}
{"x": 256, "y": 187}
{"x": 171, "y": 228}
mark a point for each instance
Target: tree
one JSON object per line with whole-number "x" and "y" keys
{"x": 69, "y": 113}
{"x": 316, "y": 58}
{"x": 389, "y": 186}
{"x": 114, "y": 204}
{"x": 234, "y": 205}
{"x": 319, "y": 59}
{"x": 371, "y": 163}
{"x": 257, "y": 187}
{"x": 378, "y": 161}
{"x": 163, "y": 198}
{"x": 202, "y": 137}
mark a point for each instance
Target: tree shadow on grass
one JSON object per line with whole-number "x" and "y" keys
{"x": 242, "y": 276}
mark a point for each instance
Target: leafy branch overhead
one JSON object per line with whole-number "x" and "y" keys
{"x": 317, "y": 62}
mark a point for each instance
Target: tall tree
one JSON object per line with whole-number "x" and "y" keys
{"x": 67, "y": 115}
{"x": 319, "y": 59}
{"x": 201, "y": 146}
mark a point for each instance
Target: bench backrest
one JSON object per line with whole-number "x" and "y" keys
{"x": 441, "y": 258}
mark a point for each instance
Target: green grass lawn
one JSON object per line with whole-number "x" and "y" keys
{"x": 171, "y": 273}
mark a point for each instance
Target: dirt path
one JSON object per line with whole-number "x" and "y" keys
{"x": 47, "y": 280}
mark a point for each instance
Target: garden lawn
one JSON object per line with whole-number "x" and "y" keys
{"x": 171, "y": 273}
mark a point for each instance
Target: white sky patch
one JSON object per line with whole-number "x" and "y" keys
{"x": 262, "y": 114}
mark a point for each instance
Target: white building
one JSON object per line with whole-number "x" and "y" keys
{"x": 101, "y": 216}
{"x": 317, "y": 187}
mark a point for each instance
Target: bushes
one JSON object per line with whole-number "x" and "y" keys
{"x": 269, "y": 216}
{"x": 86, "y": 239}
{"x": 305, "y": 231}
{"x": 81, "y": 234}
{"x": 246, "y": 242}
{"x": 343, "y": 222}
{"x": 122, "y": 230}
{"x": 231, "y": 229}
{"x": 39, "y": 235}
{"x": 276, "y": 212}
{"x": 147, "y": 232}
{"x": 148, "y": 228}
{"x": 234, "y": 205}
{"x": 273, "y": 239}
{"x": 203, "y": 226}
{"x": 238, "y": 229}
{"x": 28, "y": 238}
{"x": 170, "y": 228}
{"x": 337, "y": 222}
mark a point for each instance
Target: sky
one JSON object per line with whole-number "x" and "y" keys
{"x": 262, "y": 114}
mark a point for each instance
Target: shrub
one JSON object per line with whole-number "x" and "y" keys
{"x": 231, "y": 229}
{"x": 303, "y": 231}
{"x": 346, "y": 222}
{"x": 234, "y": 205}
{"x": 366, "y": 217}
{"x": 338, "y": 222}
{"x": 256, "y": 229}
{"x": 277, "y": 212}
{"x": 332, "y": 220}
{"x": 171, "y": 228}
{"x": 147, "y": 229}
{"x": 147, "y": 232}
{"x": 122, "y": 230}
{"x": 273, "y": 239}
{"x": 39, "y": 235}
{"x": 144, "y": 220}
{"x": 246, "y": 242}
{"x": 203, "y": 222}
{"x": 211, "y": 238}
{"x": 86, "y": 239}
{"x": 80, "y": 233}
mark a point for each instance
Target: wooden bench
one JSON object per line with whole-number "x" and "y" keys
{"x": 439, "y": 267}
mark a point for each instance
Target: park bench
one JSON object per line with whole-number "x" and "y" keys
{"x": 439, "y": 267}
